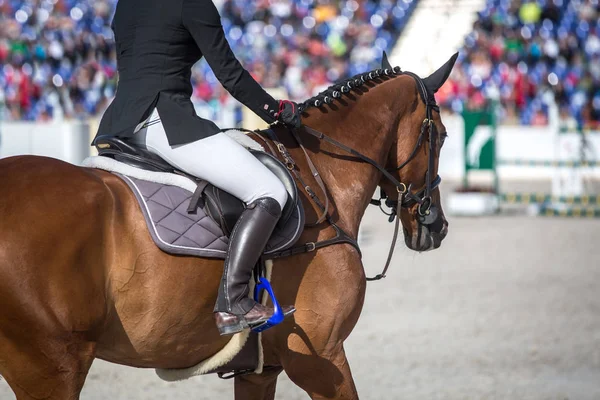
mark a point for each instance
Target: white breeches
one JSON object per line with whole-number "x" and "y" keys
{"x": 217, "y": 159}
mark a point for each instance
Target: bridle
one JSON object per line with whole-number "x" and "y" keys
{"x": 427, "y": 211}
{"x": 407, "y": 198}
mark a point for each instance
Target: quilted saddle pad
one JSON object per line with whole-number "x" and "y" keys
{"x": 177, "y": 232}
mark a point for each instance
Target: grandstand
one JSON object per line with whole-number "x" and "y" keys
{"x": 518, "y": 49}
{"x": 57, "y": 57}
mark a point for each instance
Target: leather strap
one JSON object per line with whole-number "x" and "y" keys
{"x": 340, "y": 237}
{"x": 256, "y": 134}
{"x": 322, "y": 136}
{"x": 196, "y": 200}
{"x": 317, "y": 176}
{"x": 393, "y": 244}
{"x": 291, "y": 165}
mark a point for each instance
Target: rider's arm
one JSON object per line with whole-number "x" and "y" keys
{"x": 202, "y": 19}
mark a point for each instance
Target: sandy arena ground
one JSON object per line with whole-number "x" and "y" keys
{"x": 507, "y": 308}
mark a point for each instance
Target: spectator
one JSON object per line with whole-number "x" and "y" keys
{"x": 520, "y": 48}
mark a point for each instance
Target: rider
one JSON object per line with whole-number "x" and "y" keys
{"x": 157, "y": 44}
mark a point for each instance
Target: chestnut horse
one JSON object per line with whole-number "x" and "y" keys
{"x": 80, "y": 277}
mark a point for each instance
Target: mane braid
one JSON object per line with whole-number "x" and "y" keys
{"x": 338, "y": 89}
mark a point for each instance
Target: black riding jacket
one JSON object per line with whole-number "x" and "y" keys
{"x": 158, "y": 42}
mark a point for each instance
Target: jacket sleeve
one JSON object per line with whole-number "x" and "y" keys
{"x": 202, "y": 20}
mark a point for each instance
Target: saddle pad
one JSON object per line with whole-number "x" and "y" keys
{"x": 164, "y": 205}
{"x": 177, "y": 232}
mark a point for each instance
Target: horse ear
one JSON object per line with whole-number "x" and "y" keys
{"x": 435, "y": 81}
{"x": 385, "y": 64}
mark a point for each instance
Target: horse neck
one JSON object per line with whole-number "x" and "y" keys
{"x": 368, "y": 126}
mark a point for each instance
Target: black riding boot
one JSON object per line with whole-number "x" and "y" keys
{"x": 234, "y": 310}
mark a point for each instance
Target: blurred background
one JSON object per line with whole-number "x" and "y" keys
{"x": 509, "y": 306}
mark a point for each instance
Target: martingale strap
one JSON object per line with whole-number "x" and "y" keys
{"x": 396, "y": 213}
{"x": 289, "y": 162}
{"x": 317, "y": 176}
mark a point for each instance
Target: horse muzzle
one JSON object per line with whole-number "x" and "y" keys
{"x": 425, "y": 239}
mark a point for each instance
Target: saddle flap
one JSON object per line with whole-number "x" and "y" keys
{"x": 283, "y": 174}
{"x": 224, "y": 208}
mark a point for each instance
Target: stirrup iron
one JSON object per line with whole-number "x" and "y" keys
{"x": 277, "y": 317}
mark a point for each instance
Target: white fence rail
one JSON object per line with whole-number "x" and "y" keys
{"x": 70, "y": 141}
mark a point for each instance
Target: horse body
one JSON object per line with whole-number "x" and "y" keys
{"x": 88, "y": 282}
{"x": 160, "y": 304}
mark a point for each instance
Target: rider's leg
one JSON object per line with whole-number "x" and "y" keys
{"x": 229, "y": 166}
{"x": 234, "y": 310}
{"x": 217, "y": 159}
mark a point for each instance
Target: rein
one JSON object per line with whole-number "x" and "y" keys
{"x": 406, "y": 198}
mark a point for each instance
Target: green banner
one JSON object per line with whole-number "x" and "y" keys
{"x": 480, "y": 147}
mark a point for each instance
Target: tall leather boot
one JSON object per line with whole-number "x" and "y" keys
{"x": 234, "y": 310}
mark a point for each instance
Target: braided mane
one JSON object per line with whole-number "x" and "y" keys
{"x": 338, "y": 89}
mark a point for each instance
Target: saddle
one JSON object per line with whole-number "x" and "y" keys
{"x": 222, "y": 207}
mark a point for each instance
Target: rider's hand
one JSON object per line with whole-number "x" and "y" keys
{"x": 289, "y": 114}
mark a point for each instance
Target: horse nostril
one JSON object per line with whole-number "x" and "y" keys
{"x": 444, "y": 231}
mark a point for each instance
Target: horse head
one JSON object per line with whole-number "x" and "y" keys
{"x": 414, "y": 158}
{"x": 382, "y": 128}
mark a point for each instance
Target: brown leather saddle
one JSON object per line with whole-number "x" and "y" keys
{"x": 224, "y": 208}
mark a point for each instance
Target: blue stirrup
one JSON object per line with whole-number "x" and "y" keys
{"x": 277, "y": 317}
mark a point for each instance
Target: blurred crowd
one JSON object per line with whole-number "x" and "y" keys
{"x": 305, "y": 45}
{"x": 519, "y": 51}
{"x": 57, "y": 57}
